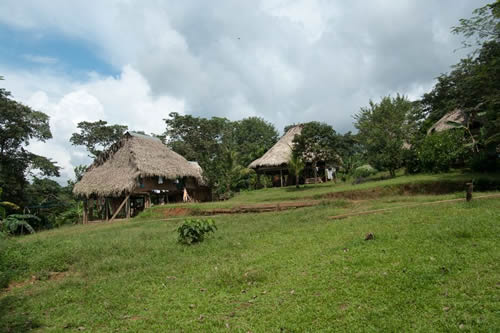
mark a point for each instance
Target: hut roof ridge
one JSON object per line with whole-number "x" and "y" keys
{"x": 280, "y": 153}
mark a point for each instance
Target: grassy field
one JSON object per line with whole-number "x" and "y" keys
{"x": 429, "y": 268}
{"x": 320, "y": 191}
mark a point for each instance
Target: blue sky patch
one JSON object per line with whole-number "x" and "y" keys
{"x": 23, "y": 49}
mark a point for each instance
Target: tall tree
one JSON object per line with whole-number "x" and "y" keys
{"x": 253, "y": 136}
{"x": 203, "y": 140}
{"x": 473, "y": 86}
{"x": 97, "y": 136}
{"x": 384, "y": 128}
{"x": 317, "y": 142}
{"x": 19, "y": 125}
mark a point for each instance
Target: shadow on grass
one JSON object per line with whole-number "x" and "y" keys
{"x": 12, "y": 318}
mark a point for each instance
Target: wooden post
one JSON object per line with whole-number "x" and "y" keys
{"x": 91, "y": 209}
{"x": 119, "y": 208}
{"x": 468, "y": 187}
{"x": 85, "y": 218}
{"x": 106, "y": 209}
{"x": 128, "y": 208}
{"x": 281, "y": 177}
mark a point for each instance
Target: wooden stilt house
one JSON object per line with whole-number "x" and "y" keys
{"x": 134, "y": 173}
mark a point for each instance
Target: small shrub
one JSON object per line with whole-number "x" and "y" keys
{"x": 194, "y": 230}
{"x": 364, "y": 171}
{"x": 19, "y": 223}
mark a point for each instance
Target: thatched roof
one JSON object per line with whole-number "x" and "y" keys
{"x": 115, "y": 171}
{"x": 457, "y": 116}
{"x": 280, "y": 153}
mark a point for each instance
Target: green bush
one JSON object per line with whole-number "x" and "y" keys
{"x": 19, "y": 223}
{"x": 364, "y": 171}
{"x": 194, "y": 230}
{"x": 441, "y": 151}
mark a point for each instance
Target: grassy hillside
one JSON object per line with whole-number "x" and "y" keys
{"x": 420, "y": 184}
{"x": 431, "y": 268}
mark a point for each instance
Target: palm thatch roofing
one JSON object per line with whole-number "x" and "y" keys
{"x": 280, "y": 153}
{"x": 457, "y": 116}
{"x": 116, "y": 171}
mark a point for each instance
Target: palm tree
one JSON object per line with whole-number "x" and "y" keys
{"x": 295, "y": 167}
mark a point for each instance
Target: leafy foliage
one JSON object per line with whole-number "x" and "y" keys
{"x": 221, "y": 147}
{"x": 317, "y": 142}
{"x": 473, "y": 86}
{"x": 351, "y": 151}
{"x": 194, "y": 230}
{"x": 71, "y": 215}
{"x": 441, "y": 151}
{"x": 19, "y": 125}
{"x": 295, "y": 167}
{"x": 484, "y": 25}
{"x": 18, "y": 223}
{"x": 97, "y": 136}
{"x": 384, "y": 128}
{"x": 363, "y": 171}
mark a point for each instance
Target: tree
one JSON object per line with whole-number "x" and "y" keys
{"x": 97, "y": 136}
{"x": 253, "y": 136}
{"x": 473, "y": 86}
{"x": 221, "y": 147}
{"x": 351, "y": 151}
{"x": 383, "y": 129}
{"x": 203, "y": 140}
{"x": 295, "y": 166}
{"x": 484, "y": 26}
{"x": 19, "y": 125}
{"x": 317, "y": 142}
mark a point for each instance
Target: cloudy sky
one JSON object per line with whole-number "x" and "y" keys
{"x": 132, "y": 62}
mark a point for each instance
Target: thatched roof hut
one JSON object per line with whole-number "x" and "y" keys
{"x": 116, "y": 171}
{"x": 441, "y": 125}
{"x": 280, "y": 153}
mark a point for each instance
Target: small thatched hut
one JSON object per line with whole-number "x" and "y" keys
{"x": 275, "y": 161}
{"x": 135, "y": 171}
{"x": 457, "y": 116}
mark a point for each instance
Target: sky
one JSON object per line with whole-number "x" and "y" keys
{"x": 287, "y": 61}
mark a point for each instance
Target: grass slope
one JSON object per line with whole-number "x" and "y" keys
{"x": 320, "y": 191}
{"x": 428, "y": 269}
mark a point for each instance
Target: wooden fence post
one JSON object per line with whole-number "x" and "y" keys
{"x": 469, "y": 188}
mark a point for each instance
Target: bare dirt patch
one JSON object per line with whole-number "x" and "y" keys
{"x": 177, "y": 211}
{"x": 51, "y": 276}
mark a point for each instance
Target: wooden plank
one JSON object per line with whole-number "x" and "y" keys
{"x": 120, "y": 207}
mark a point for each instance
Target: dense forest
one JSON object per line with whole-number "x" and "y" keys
{"x": 392, "y": 133}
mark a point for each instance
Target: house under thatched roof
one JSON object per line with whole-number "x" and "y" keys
{"x": 280, "y": 153}
{"x": 116, "y": 171}
{"x": 457, "y": 116}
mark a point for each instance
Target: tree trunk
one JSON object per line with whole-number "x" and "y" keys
{"x": 392, "y": 173}
{"x": 297, "y": 180}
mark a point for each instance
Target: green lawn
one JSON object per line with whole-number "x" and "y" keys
{"x": 430, "y": 268}
{"x": 321, "y": 191}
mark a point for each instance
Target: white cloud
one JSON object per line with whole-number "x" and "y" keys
{"x": 285, "y": 60}
{"x": 125, "y": 99}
